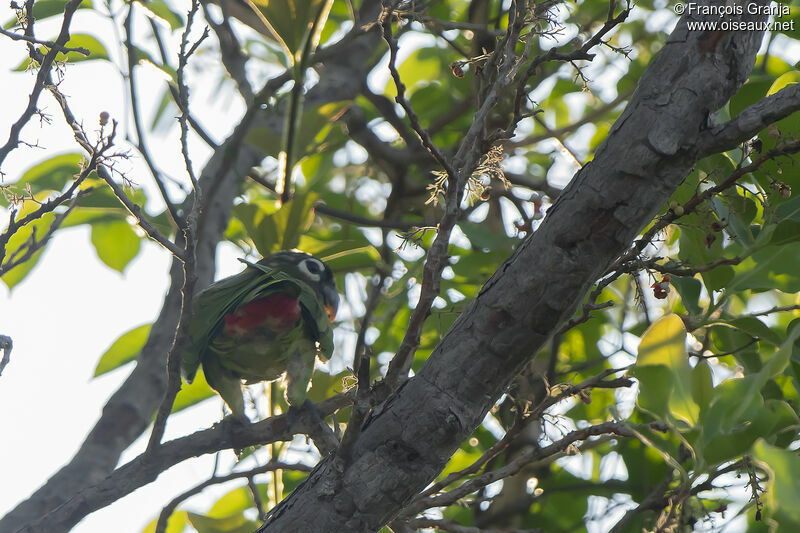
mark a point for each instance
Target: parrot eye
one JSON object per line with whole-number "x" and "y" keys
{"x": 312, "y": 268}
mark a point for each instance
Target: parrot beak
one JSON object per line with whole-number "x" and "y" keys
{"x": 330, "y": 300}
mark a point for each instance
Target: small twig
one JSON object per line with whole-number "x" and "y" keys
{"x": 525, "y": 457}
{"x": 6, "y": 344}
{"x": 189, "y": 229}
{"x": 183, "y": 90}
{"x": 35, "y": 244}
{"x": 364, "y": 221}
{"x": 137, "y": 122}
{"x": 361, "y": 364}
{"x": 49, "y": 44}
{"x": 42, "y": 79}
{"x": 776, "y": 309}
{"x": 162, "y": 50}
{"x": 731, "y": 352}
{"x": 259, "y": 503}
{"x": 386, "y": 18}
{"x": 166, "y": 512}
{"x": 689, "y": 270}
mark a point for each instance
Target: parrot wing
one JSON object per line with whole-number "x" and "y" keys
{"x": 210, "y": 307}
{"x": 314, "y": 315}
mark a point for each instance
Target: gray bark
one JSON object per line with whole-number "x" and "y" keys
{"x": 648, "y": 153}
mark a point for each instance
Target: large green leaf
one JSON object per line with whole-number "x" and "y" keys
{"x": 20, "y": 242}
{"x": 162, "y": 10}
{"x": 663, "y": 371}
{"x": 422, "y": 65}
{"x": 116, "y": 243}
{"x": 49, "y": 175}
{"x": 123, "y": 350}
{"x": 774, "y": 267}
{"x": 176, "y": 524}
{"x": 43, "y": 9}
{"x": 236, "y": 523}
{"x": 77, "y": 40}
{"x": 291, "y": 21}
{"x": 193, "y": 393}
{"x": 783, "y": 489}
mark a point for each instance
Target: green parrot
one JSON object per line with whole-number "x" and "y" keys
{"x": 273, "y": 317}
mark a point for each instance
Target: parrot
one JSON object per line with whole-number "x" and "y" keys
{"x": 274, "y": 317}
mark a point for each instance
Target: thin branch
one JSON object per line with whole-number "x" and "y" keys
{"x": 525, "y": 457}
{"x": 42, "y": 79}
{"x": 471, "y": 151}
{"x": 6, "y": 344}
{"x": 358, "y": 220}
{"x": 137, "y": 122}
{"x": 750, "y": 121}
{"x": 49, "y": 44}
{"x": 228, "y": 434}
{"x": 198, "y": 129}
{"x": 776, "y": 309}
{"x": 361, "y": 364}
{"x": 386, "y": 19}
{"x": 689, "y": 270}
{"x": 35, "y": 244}
{"x": 588, "y": 118}
{"x": 189, "y": 230}
{"x": 166, "y": 512}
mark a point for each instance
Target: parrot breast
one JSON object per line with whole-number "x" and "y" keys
{"x": 276, "y": 312}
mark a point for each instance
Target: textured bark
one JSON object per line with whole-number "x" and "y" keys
{"x": 648, "y": 153}
{"x": 129, "y": 411}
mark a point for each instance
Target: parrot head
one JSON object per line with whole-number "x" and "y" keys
{"x": 311, "y": 271}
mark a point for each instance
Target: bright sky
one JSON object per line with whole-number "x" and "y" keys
{"x": 72, "y": 307}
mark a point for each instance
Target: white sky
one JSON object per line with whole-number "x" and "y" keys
{"x": 71, "y": 307}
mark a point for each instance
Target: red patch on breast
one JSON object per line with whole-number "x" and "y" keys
{"x": 279, "y": 312}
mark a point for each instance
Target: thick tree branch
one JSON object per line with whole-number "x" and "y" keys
{"x": 227, "y": 434}
{"x": 647, "y": 155}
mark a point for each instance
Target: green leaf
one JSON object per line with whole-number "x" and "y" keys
{"x": 784, "y": 80}
{"x": 193, "y": 393}
{"x": 422, "y": 65}
{"x": 663, "y": 346}
{"x": 236, "y": 523}
{"x": 689, "y": 290}
{"x": 783, "y": 490}
{"x": 176, "y": 523}
{"x": 43, "y": 9}
{"x": 231, "y": 503}
{"x": 123, "y": 350}
{"x": 291, "y": 20}
{"x": 76, "y": 40}
{"x": 789, "y": 210}
{"x": 161, "y": 9}
{"x": 20, "y": 241}
{"x": 116, "y": 243}
{"x": 774, "y": 267}
{"x": 50, "y": 175}
{"x": 315, "y": 123}
{"x": 342, "y": 256}
{"x": 702, "y": 386}
{"x": 756, "y": 328}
